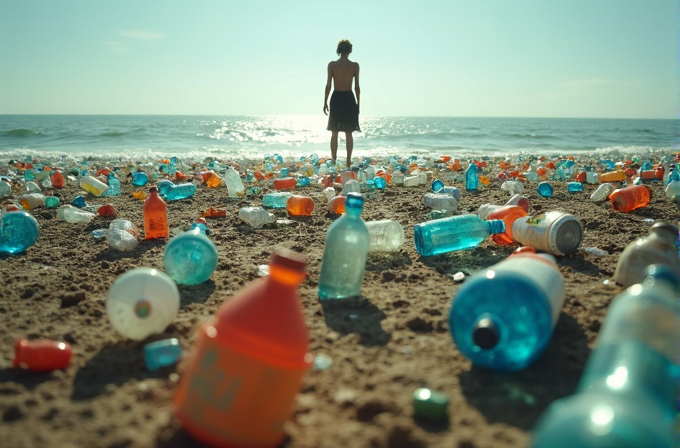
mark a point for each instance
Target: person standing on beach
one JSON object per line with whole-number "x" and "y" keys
{"x": 344, "y": 110}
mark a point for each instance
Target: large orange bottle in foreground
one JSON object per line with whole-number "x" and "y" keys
{"x": 248, "y": 364}
{"x": 630, "y": 198}
{"x": 155, "y": 216}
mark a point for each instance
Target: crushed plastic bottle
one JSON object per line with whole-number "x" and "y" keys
{"x": 385, "y": 235}
{"x": 513, "y": 187}
{"x": 72, "y": 214}
{"x": 256, "y": 216}
{"x": 122, "y": 235}
{"x": 437, "y": 201}
{"x": 602, "y": 192}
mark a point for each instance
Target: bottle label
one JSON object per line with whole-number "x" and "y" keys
{"x": 235, "y": 398}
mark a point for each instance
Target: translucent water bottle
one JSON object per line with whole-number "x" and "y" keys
{"x": 453, "y": 233}
{"x": 345, "y": 253}
{"x": 181, "y": 191}
{"x": 256, "y": 216}
{"x": 471, "y": 177}
{"x": 513, "y": 186}
{"x": 31, "y": 187}
{"x": 276, "y": 200}
{"x": 232, "y": 180}
{"x": 239, "y": 387}
{"x": 114, "y": 185}
{"x": 139, "y": 179}
{"x": 190, "y": 258}
{"x": 142, "y": 302}
{"x": 122, "y": 235}
{"x": 18, "y": 231}
{"x": 451, "y": 191}
{"x": 386, "y": 235}
{"x": 72, "y": 214}
{"x": 503, "y": 317}
{"x": 155, "y": 216}
{"x": 32, "y": 201}
{"x": 163, "y": 187}
{"x": 602, "y": 192}
{"x": 673, "y": 188}
{"x": 628, "y": 392}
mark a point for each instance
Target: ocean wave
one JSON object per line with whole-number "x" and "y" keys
{"x": 20, "y": 132}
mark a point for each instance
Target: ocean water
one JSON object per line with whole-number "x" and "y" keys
{"x": 139, "y": 137}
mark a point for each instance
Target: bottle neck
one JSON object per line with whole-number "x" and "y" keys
{"x": 286, "y": 276}
{"x": 495, "y": 226}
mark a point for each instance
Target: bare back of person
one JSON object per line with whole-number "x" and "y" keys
{"x": 343, "y": 71}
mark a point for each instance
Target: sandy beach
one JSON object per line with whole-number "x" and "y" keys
{"x": 383, "y": 346}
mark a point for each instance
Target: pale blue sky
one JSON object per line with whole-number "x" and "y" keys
{"x": 536, "y": 58}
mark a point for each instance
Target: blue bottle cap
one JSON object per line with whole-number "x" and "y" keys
{"x": 355, "y": 201}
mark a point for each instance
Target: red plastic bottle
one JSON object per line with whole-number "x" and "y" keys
{"x": 58, "y": 180}
{"x": 240, "y": 385}
{"x": 285, "y": 183}
{"x": 300, "y": 205}
{"x": 41, "y": 355}
{"x": 630, "y": 198}
{"x": 155, "y": 216}
{"x": 107, "y": 210}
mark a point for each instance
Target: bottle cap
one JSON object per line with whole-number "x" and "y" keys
{"x": 485, "y": 334}
{"x": 355, "y": 201}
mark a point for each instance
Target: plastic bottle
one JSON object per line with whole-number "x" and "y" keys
{"x": 107, "y": 211}
{"x": 72, "y": 214}
{"x": 503, "y": 317}
{"x": 656, "y": 248}
{"x": 438, "y": 201}
{"x": 41, "y": 355}
{"x": 380, "y": 182}
{"x": 513, "y": 187}
{"x": 139, "y": 179}
{"x": 471, "y": 179}
{"x": 5, "y": 189}
{"x": 385, "y": 236}
{"x": 555, "y": 232}
{"x": 574, "y": 187}
{"x": 213, "y": 212}
{"x": 163, "y": 187}
{"x": 627, "y": 394}
{"x": 276, "y": 200}
{"x": 93, "y": 185}
{"x": 451, "y": 191}
{"x": 240, "y": 385}
{"x": 330, "y": 193}
{"x": 612, "y": 176}
{"x": 181, "y": 191}
{"x": 51, "y": 201}
{"x": 284, "y": 184}
{"x": 398, "y": 178}
{"x": 520, "y": 200}
{"x": 345, "y": 253}
{"x": 545, "y": 189}
{"x": 32, "y": 201}
{"x": 351, "y": 186}
{"x": 300, "y": 205}
{"x": 114, "y": 185}
{"x": 337, "y": 204}
{"x": 453, "y": 233}
{"x": 31, "y": 187}
{"x": 122, "y": 235}
{"x": 232, "y": 180}
{"x": 602, "y": 192}
{"x": 347, "y": 175}
{"x": 630, "y": 198}
{"x": 142, "y": 302}
{"x": 18, "y": 231}
{"x": 155, "y": 216}
{"x": 436, "y": 185}
{"x": 256, "y": 216}
{"x": 412, "y": 181}
{"x": 58, "y": 180}
{"x": 509, "y": 214}
{"x": 190, "y": 258}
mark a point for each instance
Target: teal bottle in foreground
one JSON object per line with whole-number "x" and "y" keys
{"x": 345, "y": 253}
{"x": 627, "y": 395}
{"x": 454, "y": 233}
{"x": 18, "y": 232}
{"x": 190, "y": 258}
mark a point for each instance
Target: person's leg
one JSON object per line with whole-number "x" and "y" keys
{"x": 334, "y": 146}
{"x": 350, "y": 146}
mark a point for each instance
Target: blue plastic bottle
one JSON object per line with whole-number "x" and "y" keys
{"x": 29, "y": 175}
{"x": 163, "y": 186}
{"x": 627, "y": 395}
{"x": 575, "y": 187}
{"x": 276, "y": 200}
{"x": 181, "y": 191}
{"x": 140, "y": 179}
{"x": 18, "y": 232}
{"x": 502, "y": 318}
{"x": 345, "y": 253}
{"x": 190, "y": 258}
{"x": 437, "y": 185}
{"x": 453, "y": 233}
{"x": 545, "y": 189}
{"x": 379, "y": 182}
{"x": 78, "y": 201}
{"x": 114, "y": 186}
{"x": 471, "y": 178}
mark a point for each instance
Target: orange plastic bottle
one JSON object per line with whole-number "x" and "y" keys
{"x": 508, "y": 213}
{"x": 285, "y": 183}
{"x": 58, "y": 180}
{"x": 337, "y": 204}
{"x": 213, "y": 212}
{"x": 240, "y": 385}
{"x": 612, "y": 176}
{"x": 300, "y": 205}
{"x": 211, "y": 179}
{"x": 155, "y": 216}
{"x": 630, "y": 198}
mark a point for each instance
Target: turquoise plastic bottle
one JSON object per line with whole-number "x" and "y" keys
{"x": 471, "y": 179}
{"x": 627, "y": 395}
{"x": 453, "y": 233}
{"x": 502, "y": 318}
{"x": 190, "y": 258}
{"x": 345, "y": 253}
{"x": 18, "y": 232}
{"x": 140, "y": 179}
{"x": 114, "y": 186}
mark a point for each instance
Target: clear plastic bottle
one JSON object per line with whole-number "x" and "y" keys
{"x": 276, "y": 200}
{"x": 142, "y": 302}
{"x": 438, "y": 201}
{"x": 503, "y": 317}
{"x": 451, "y": 191}
{"x": 672, "y": 189}
{"x": 471, "y": 177}
{"x": 351, "y": 186}
{"x": 122, "y": 235}
{"x": 411, "y": 181}
{"x": 155, "y": 216}
{"x": 627, "y": 395}
{"x": 386, "y": 235}
{"x": 602, "y": 192}
{"x": 513, "y": 187}
{"x": 31, "y": 187}
{"x": 239, "y": 387}
{"x": 345, "y": 253}
{"x": 656, "y": 248}
{"x": 232, "y": 180}
{"x": 453, "y": 233}
{"x": 72, "y": 214}
{"x": 190, "y": 258}
{"x": 18, "y": 231}
{"x": 256, "y": 216}
{"x": 93, "y": 185}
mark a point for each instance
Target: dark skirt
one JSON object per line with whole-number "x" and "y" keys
{"x": 344, "y": 114}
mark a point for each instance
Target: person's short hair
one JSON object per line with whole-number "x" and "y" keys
{"x": 344, "y": 46}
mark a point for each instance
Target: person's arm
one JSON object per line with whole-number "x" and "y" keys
{"x": 328, "y": 89}
{"x": 357, "y": 89}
